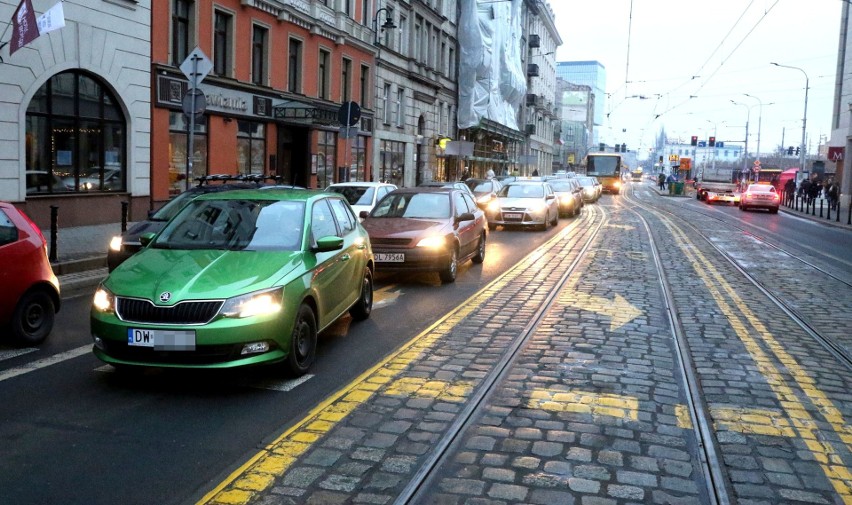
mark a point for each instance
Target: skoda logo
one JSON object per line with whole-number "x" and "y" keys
{"x": 165, "y": 296}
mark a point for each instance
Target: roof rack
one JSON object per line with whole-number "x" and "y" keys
{"x": 252, "y": 178}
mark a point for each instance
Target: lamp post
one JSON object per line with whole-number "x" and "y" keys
{"x": 748, "y": 117}
{"x": 387, "y": 25}
{"x": 804, "y": 118}
{"x": 759, "y": 119}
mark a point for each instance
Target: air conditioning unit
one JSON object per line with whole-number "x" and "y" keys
{"x": 530, "y": 129}
{"x": 532, "y": 70}
{"x": 531, "y": 99}
{"x": 535, "y": 41}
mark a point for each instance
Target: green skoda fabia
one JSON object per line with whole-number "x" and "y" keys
{"x": 239, "y": 278}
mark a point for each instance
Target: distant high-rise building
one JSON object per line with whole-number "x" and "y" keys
{"x": 588, "y": 73}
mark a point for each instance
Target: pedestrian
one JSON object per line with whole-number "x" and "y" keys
{"x": 661, "y": 180}
{"x": 833, "y": 194}
{"x": 489, "y": 174}
{"x": 669, "y": 180}
{"x": 789, "y": 190}
{"x": 535, "y": 172}
{"x": 804, "y": 188}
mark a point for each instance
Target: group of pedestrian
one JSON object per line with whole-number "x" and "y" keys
{"x": 812, "y": 189}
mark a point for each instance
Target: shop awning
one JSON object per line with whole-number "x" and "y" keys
{"x": 293, "y": 110}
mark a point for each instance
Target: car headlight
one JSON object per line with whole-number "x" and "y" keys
{"x": 484, "y": 199}
{"x": 435, "y": 241}
{"x": 115, "y": 243}
{"x": 494, "y": 205}
{"x": 617, "y": 184}
{"x": 104, "y": 300}
{"x": 258, "y": 303}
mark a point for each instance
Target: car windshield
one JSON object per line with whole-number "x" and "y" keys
{"x": 522, "y": 191}
{"x": 761, "y": 188}
{"x": 235, "y": 225}
{"x": 171, "y": 209}
{"x": 355, "y": 195}
{"x": 414, "y": 205}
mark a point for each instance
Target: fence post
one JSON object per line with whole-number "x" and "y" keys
{"x": 820, "y": 208}
{"x": 54, "y": 233}
{"x": 123, "y": 217}
{"x": 828, "y": 212}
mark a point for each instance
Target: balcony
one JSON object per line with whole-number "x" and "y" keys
{"x": 532, "y": 70}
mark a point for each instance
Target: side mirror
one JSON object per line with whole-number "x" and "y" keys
{"x": 550, "y": 197}
{"x": 146, "y": 238}
{"x": 363, "y": 214}
{"x": 329, "y": 243}
{"x": 466, "y": 216}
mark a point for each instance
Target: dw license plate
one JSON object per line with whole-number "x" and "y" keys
{"x": 162, "y": 340}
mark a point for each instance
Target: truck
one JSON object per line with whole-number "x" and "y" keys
{"x": 717, "y": 185}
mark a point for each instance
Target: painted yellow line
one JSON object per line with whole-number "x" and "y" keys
{"x": 583, "y": 402}
{"x": 259, "y": 472}
{"x": 823, "y": 452}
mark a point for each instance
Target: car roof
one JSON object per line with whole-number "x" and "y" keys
{"x": 424, "y": 189}
{"x": 360, "y": 184}
{"x": 525, "y": 181}
{"x": 270, "y": 194}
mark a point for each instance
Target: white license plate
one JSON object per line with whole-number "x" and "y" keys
{"x": 513, "y": 215}
{"x": 390, "y": 257}
{"x": 165, "y": 340}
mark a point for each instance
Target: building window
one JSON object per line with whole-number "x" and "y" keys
{"x": 386, "y": 103}
{"x": 222, "y": 40}
{"x": 366, "y": 18}
{"x": 178, "y": 141}
{"x": 451, "y": 61}
{"x": 182, "y": 21}
{"x": 347, "y": 7}
{"x": 403, "y": 35}
{"x": 365, "y": 86}
{"x": 259, "y": 40}
{"x": 346, "y": 80}
{"x": 75, "y": 137}
{"x": 399, "y": 107}
{"x": 251, "y": 147}
{"x": 326, "y": 158}
{"x": 392, "y": 162}
{"x": 324, "y": 74}
{"x": 294, "y": 66}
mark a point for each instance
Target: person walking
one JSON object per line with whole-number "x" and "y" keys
{"x": 789, "y": 190}
{"x": 661, "y": 180}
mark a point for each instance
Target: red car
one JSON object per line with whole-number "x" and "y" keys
{"x": 29, "y": 299}
{"x": 426, "y": 229}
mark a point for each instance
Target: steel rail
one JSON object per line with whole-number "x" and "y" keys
{"x": 420, "y": 480}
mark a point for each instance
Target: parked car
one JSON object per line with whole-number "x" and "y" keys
{"x": 362, "y": 196}
{"x": 41, "y": 181}
{"x": 485, "y": 194}
{"x": 527, "y": 204}
{"x": 760, "y": 196}
{"x": 426, "y": 229}
{"x": 237, "y": 278}
{"x": 91, "y": 180}
{"x": 29, "y": 298}
{"x": 591, "y": 189}
{"x": 127, "y": 244}
{"x": 570, "y": 195}
{"x": 448, "y": 184}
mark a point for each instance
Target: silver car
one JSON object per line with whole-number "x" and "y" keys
{"x": 526, "y": 204}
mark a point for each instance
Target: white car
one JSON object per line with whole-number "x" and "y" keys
{"x": 362, "y": 195}
{"x": 526, "y": 204}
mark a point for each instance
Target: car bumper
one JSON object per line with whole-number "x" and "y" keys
{"x": 519, "y": 218}
{"x": 417, "y": 259}
{"x": 721, "y": 197}
{"x": 218, "y": 344}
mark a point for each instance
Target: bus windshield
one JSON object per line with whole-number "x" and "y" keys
{"x": 603, "y": 166}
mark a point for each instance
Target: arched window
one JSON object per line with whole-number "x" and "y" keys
{"x": 75, "y": 137}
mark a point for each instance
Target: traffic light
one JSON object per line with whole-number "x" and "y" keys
{"x": 695, "y": 140}
{"x": 790, "y": 151}
{"x": 624, "y": 148}
{"x": 797, "y": 151}
{"x": 712, "y": 141}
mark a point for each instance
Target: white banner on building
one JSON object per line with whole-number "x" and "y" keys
{"x": 52, "y": 19}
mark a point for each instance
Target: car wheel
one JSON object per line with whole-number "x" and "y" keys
{"x": 362, "y": 308}
{"x": 33, "y": 318}
{"x": 448, "y": 274}
{"x": 303, "y": 342}
{"x": 774, "y": 210}
{"x": 480, "y": 250}
{"x": 492, "y": 227}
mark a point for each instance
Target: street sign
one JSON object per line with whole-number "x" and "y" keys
{"x": 196, "y": 66}
{"x": 349, "y": 114}
{"x": 194, "y": 102}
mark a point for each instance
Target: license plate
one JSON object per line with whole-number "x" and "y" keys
{"x": 513, "y": 215}
{"x": 162, "y": 340}
{"x": 390, "y": 257}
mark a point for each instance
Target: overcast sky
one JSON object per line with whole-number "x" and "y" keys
{"x": 714, "y": 52}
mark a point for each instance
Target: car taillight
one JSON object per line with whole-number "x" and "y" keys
{"x": 776, "y": 196}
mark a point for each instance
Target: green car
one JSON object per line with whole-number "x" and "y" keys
{"x": 239, "y": 278}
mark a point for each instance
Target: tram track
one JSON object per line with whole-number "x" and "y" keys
{"x": 839, "y": 351}
{"x": 415, "y": 490}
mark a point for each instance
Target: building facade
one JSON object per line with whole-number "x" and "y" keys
{"x": 840, "y": 143}
{"x": 592, "y": 74}
{"x": 279, "y": 75}
{"x": 576, "y": 105}
{"x": 75, "y": 120}
{"x": 415, "y": 89}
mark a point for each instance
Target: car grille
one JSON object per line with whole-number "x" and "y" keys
{"x": 143, "y": 311}
{"x": 390, "y": 241}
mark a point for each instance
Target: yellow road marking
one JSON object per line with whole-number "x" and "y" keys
{"x": 259, "y": 472}
{"x": 582, "y": 402}
{"x": 684, "y": 419}
{"x": 619, "y": 310}
{"x": 823, "y": 452}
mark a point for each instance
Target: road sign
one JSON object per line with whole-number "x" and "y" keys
{"x": 194, "y": 102}
{"x": 196, "y": 66}
{"x": 349, "y": 114}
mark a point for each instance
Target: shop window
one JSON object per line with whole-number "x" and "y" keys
{"x": 75, "y": 137}
{"x": 178, "y": 141}
{"x": 392, "y": 162}
{"x": 326, "y": 158}
{"x": 251, "y": 147}
{"x": 357, "y": 170}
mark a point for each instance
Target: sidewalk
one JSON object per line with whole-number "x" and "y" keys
{"x": 81, "y": 255}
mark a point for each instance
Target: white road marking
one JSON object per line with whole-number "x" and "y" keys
{"x": 279, "y": 385}
{"x": 46, "y": 362}
{"x": 14, "y": 353}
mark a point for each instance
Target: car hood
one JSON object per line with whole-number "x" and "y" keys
{"x": 520, "y": 202}
{"x": 194, "y": 274}
{"x": 401, "y": 227}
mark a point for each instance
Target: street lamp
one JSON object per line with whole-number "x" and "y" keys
{"x": 759, "y": 120}
{"x": 804, "y": 119}
{"x": 387, "y": 25}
